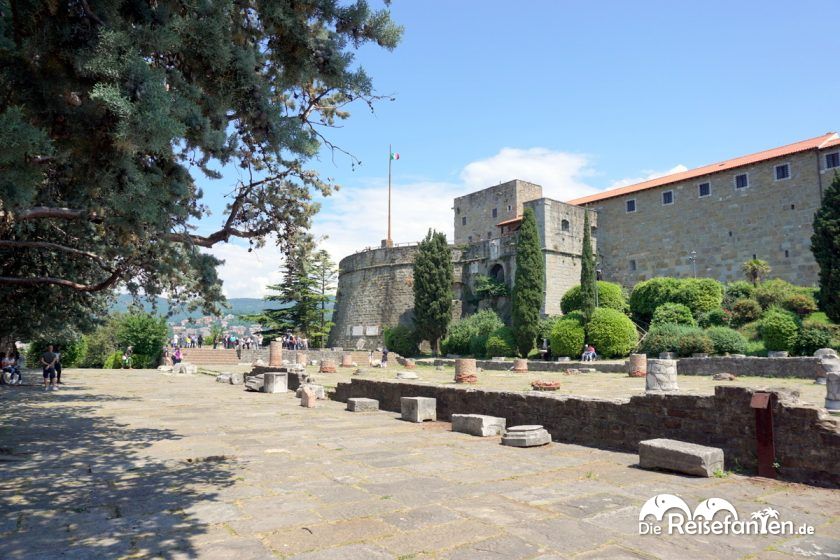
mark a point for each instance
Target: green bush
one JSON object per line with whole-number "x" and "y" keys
{"x": 700, "y": 295}
{"x": 734, "y": 291}
{"x": 478, "y": 346}
{"x": 727, "y": 341}
{"x": 662, "y": 338}
{"x": 141, "y": 361}
{"x": 800, "y": 304}
{"x": 772, "y": 293}
{"x": 72, "y": 352}
{"x": 114, "y": 361}
{"x": 568, "y": 336}
{"x": 611, "y": 332}
{"x": 609, "y": 295}
{"x": 458, "y": 340}
{"x": 144, "y": 332}
{"x": 811, "y": 339}
{"x": 695, "y": 341}
{"x": 101, "y": 343}
{"x": 461, "y": 334}
{"x": 714, "y": 318}
{"x": 401, "y": 339}
{"x": 756, "y": 348}
{"x": 546, "y": 326}
{"x": 501, "y": 343}
{"x": 778, "y": 329}
{"x": 674, "y": 313}
{"x": 650, "y": 294}
{"x": 745, "y": 311}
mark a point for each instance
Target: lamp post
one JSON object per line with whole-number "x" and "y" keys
{"x": 693, "y": 258}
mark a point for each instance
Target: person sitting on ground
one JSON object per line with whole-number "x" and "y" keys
{"x": 17, "y": 367}
{"x": 588, "y": 354}
{"x": 167, "y": 359}
{"x": 48, "y": 361}
{"x": 6, "y": 364}
{"x": 177, "y": 356}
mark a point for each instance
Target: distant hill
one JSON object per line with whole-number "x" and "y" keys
{"x": 238, "y": 306}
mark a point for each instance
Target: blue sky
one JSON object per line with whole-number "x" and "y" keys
{"x": 576, "y": 96}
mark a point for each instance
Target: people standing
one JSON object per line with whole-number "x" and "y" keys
{"x": 384, "y": 358}
{"x": 48, "y": 361}
{"x": 57, "y": 366}
{"x": 200, "y": 340}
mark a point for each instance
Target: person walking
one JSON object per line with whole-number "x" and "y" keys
{"x": 57, "y": 366}
{"x": 48, "y": 361}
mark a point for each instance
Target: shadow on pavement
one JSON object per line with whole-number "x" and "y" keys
{"x": 74, "y": 485}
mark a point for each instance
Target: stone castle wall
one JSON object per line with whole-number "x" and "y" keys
{"x": 474, "y": 219}
{"x": 770, "y": 220}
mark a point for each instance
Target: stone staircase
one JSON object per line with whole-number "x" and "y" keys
{"x": 209, "y": 356}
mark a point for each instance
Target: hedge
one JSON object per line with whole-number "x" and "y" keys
{"x": 609, "y": 295}
{"x": 674, "y": 313}
{"x": 778, "y": 329}
{"x": 477, "y": 326}
{"x": 402, "y": 340}
{"x": 727, "y": 341}
{"x": 663, "y": 338}
{"x": 714, "y": 318}
{"x": 568, "y": 336}
{"x": 611, "y": 332}
{"x": 700, "y": 295}
{"x": 501, "y": 343}
{"x": 695, "y": 341}
{"x": 745, "y": 311}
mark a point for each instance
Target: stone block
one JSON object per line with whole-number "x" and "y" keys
{"x": 320, "y": 393}
{"x": 254, "y": 382}
{"x": 822, "y": 353}
{"x": 347, "y": 360}
{"x": 406, "y": 375}
{"x": 327, "y": 366}
{"x": 661, "y": 376}
{"x": 526, "y": 436}
{"x": 418, "y": 409}
{"x": 362, "y": 405}
{"x": 478, "y": 424}
{"x": 832, "y": 384}
{"x": 308, "y": 398}
{"x": 680, "y": 456}
{"x": 275, "y": 382}
{"x": 667, "y": 355}
{"x": 185, "y": 368}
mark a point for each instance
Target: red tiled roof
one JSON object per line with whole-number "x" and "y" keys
{"x": 511, "y": 221}
{"x": 826, "y": 140}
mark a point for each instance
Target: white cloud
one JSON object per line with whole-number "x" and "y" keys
{"x": 247, "y": 274}
{"x": 649, "y": 174}
{"x": 561, "y": 174}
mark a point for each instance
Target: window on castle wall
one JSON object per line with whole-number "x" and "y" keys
{"x": 832, "y": 160}
{"x": 489, "y": 234}
{"x": 564, "y": 225}
{"x": 593, "y": 231}
{"x": 464, "y": 221}
{"x": 495, "y": 212}
{"x": 630, "y": 205}
{"x": 667, "y": 198}
{"x": 510, "y": 208}
{"x": 704, "y": 189}
{"x": 632, "y": 265}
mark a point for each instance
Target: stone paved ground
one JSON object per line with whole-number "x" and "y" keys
{"x": 143, "y": 465}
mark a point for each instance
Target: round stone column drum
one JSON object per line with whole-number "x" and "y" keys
{"x": 661, "y": 376}
{"x": 346, "y": 360}
{"x": 637, "y": 365}
{"x": 465, "y": 371}
{"x": 327, "y": 366}
{"x": 275, "y": 353}
{"x": 409, "y": 364}
{"x": 832, "y": 385}
{"x": 301, "y": 358}
{"x": 520, "y": 365}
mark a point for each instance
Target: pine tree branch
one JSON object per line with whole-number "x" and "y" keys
{"x": 38, "y": 212}
{"x": 55, "y": 247}
{"x": 39, "y": 280}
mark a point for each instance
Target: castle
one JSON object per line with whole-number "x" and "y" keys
{"x": 704, "y": 222}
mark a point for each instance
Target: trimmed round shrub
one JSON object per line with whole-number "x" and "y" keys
{"x": 402, "y": 340}
{"x": 773, "y": 292}
{"x": 662, "y": 338}
{"x": 727, "y": 341}
{"x": 674, "y": 313}
{"x": 800, "y": 304}
{"x": 811, "y": 339}
{"x": 568, "y": 336}
{"x": 745, "y": 311}
{"x": 695, "y": 341}
{"x": 501, "y": 343}
{"x": 734, "y": 291}
{"x": 609, "y": 295}
{"x": 778, "y": 329}
{"x": 714, "y": 318}
{"x": 700, "y": 294}
{"x": 612, "y": 333}
{"x": 650, "y": 294}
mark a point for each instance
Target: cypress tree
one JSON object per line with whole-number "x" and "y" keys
{"x": 528, "y": 284}
{"x": 588, "y": 283}
{"x": 825, "y": 244}
{"x": 433, "y": 289}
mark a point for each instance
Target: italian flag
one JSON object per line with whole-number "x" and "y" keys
{"x": 395, "y": 155}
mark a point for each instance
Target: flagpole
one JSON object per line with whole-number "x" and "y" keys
{"x": 388, "y": 241}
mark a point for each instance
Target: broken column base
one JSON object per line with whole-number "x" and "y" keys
{"x": 478, "y": 424}
{"x": 526, "y": 436}
{"x": 418, "y": 409}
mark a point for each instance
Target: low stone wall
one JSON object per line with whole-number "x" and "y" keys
{"x": 806, "y": 368}
{"x": 250, "y": 356}
{"x": 807, "y": 439}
